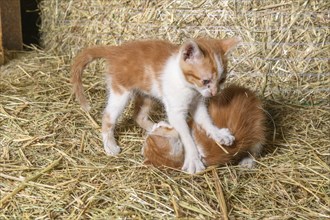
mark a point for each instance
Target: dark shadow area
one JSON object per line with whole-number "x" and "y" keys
{"x": 274, "y": 117}
{"x": 30, "y": 23}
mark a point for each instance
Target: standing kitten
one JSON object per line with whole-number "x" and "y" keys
{"x": 236, "y": 108}
{"x": 179, "y": 76}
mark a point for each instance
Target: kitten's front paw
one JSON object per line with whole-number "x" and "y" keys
{"x": 112, "y": 150}
{"x": 223, "y": 136}
{"x": 193, "y": 165}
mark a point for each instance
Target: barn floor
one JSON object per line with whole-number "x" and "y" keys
{"x": 52, "y": 163}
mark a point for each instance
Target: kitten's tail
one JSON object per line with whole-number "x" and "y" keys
{"x": 81, "y": 60}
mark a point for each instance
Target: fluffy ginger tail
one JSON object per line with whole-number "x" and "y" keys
{"x": 79, "y": 64}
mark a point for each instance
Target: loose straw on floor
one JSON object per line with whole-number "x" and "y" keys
{"x": 27, "y": 179}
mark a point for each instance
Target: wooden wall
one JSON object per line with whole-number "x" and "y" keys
{"x": 11, "y": 28}
{"x": 11, "y": 24}
{"x": 2, "y": 55}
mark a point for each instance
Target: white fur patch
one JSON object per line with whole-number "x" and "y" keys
{"x": 114, "y": 108}
{"x": 247, "y": 162}
{"x": 177, "y": 92}
{"x": 155, "y": 87}
{"x": 111, "y": 150}
{"x": 177, "y": 147}
{"x": 223, "y": 136}
{"x": 178, "y": 97}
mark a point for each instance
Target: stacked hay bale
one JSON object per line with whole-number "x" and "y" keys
{"x": 52, "y": 163}
{"x": 285, "y": 49}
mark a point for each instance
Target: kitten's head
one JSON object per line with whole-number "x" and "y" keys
{"x": 163, "y": 147}
{"x": 204, "y": 64}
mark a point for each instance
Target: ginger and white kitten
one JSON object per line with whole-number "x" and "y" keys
{"x": 236, "y": 108}
{"x": 179, "y": 76}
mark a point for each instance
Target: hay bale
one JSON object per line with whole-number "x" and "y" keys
{"x": 285, "y": 52}
{"x": 49, "y": 141}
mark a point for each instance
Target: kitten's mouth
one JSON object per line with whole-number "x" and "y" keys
{"x": 207, "y": 94}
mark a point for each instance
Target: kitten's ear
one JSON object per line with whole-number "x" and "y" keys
{"x": 191, "y": 52}
{"x": 229, "y": 44}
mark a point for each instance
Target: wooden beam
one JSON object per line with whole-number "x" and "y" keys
{"x": 2, "y": 52}
{"x": 11, "y": 24}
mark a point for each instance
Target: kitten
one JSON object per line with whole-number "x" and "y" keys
{"x": 179, "y": 76}
{"x": 236, "y": 108}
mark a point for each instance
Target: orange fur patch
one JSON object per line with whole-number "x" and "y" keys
{"x": 235, "y": 108}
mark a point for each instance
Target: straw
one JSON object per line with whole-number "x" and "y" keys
{"x": 222, "y": 148}
{"x": 284, "y": 58}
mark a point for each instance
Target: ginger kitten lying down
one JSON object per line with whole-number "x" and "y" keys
{"x": 180, "y": 76}
{"x": 236, "y": 108}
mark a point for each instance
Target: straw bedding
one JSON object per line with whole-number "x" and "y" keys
{"x": 52, "y": 163}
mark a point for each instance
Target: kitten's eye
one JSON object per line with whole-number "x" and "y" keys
{"x": 206, "y": 81}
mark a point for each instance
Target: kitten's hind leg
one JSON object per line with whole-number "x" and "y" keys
{"x": 115, "y": 106}
{"x": 249, "y": 161}
{"x": 143, "y": 106}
